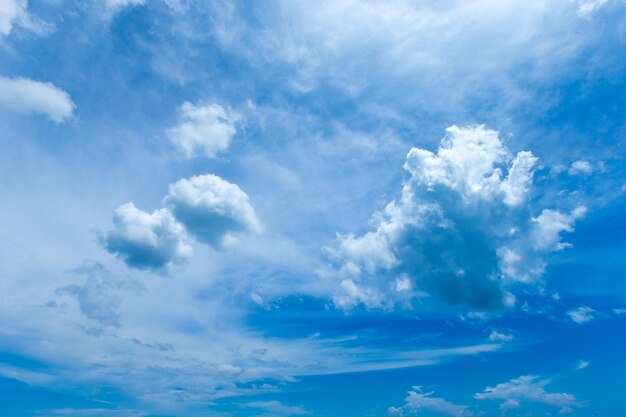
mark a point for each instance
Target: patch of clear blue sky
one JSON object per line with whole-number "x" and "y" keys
{"x": 127, "y": 77}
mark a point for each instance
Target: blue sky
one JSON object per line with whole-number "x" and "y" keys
{"x": 331, "y": 209}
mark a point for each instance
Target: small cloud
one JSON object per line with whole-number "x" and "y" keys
{"x": 205, "y": 130}
{"x": 146, "y": 240}
{"x": 528, "y": 388}
{"x": 24, "y": 95}
{"x": 418, "y": 401}
{"x": 14, "y": 12}
{"x": 582, "y": 314}
{"x": 619, "y": 311}
{"x": 212, "y": 209}
{"x": 580, "y": 167}
{"x": 496, "y": 336}
{"x": 581, "y": 365}
{"x": 276, "y": 409}
{"x": 587, "y": 7}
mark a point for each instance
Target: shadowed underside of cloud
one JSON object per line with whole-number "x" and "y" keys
{"x": 462, "y": 230}
{"x": 208, "y": 207}
{"x": 144, "y": 240}
{"x": 24, "y": 95}
{"x": 211, "y": 209}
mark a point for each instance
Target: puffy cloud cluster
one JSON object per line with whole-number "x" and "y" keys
{"x": 205, "y": 206}
{"x": 528, "y": 388}
{"x": 205, "y": 130}
{"x": 26, "y": 95}
{"x": 419, "y": 401}
{"x": 462, "y": 230}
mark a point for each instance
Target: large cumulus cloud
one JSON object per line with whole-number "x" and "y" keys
{"x": 462, "y": 230}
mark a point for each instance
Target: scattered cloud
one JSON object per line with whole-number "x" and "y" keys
{"x": 528, "y": 388}
{"x": 580, "y": 167}
{"x": 212, "y": 209}
{"x": 15, "y": 13}
{"x": 275, "y": 409}
{"x": 581, "y": 365}
{"x": 496, "y": 336}
{"x": 26, "y": 95}
{"x": 97, "y": 296}
{"x": 419, "y": 401}
{"x": 461, "y": 230}
{"x": 146, "y": 241}
{"x": 582, "y": 314}
{"x": 588, "y": 7}
{"x": 204, "y": 130}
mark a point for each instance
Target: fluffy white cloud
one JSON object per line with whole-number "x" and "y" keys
{"x": 528, "y": 388}
{"x": 461, "y": 230}
{"x": 205, "y": 130}
{"x": 25, "y": 95}
{"x": 582, "y": 314}
{"x": 144, "y": 240}
{"x": 419, "y": 401}
{"x": 580, "y": 167}
{"x": 211, "y": 209}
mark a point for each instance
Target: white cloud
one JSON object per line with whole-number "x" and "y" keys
{"x": 276, "y": 409}
{"x": 205, "y": 130}
{"x": 14, "y": 12}
{"x": 419, "y": 401}
{"x": 211, "y": 209}
{"x": 582, "y": 314}
{"x": 25, "y": 95}
{"x": 528, "y": 388}
{"x": 120, "y": 4}
{"x": 10, "y": 10}
{"x": 146, "y": 241}
{"x": 496, "y": 336}
{"x": 588, "y": 7}
{"x": 580, "y": 167}
{"x": 461, "y": 230}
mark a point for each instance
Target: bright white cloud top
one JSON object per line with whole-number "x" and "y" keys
{"x": 26, "y": 95}
{"x": 212, "y": 209}
{"x": 204, "y": 130}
